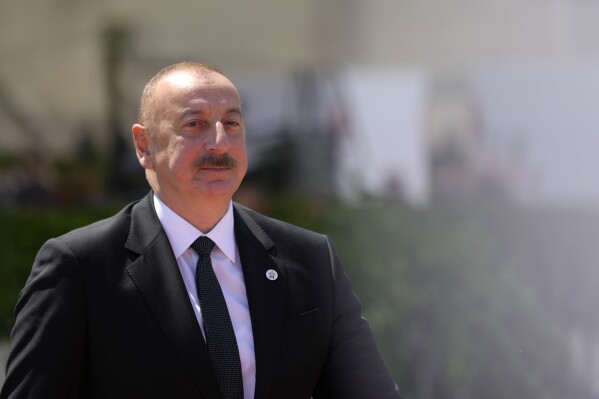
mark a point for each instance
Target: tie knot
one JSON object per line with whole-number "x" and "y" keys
{"x": 203, "y": 245}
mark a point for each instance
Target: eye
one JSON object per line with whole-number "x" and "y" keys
{"x": 193, "y": 123}
{"x": 232, "y": 121}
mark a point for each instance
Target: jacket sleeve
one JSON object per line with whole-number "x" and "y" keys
{"x": 48, "y": 341}
{"x": 354, "y": 368}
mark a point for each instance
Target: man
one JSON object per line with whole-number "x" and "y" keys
{"x": 125, "y": 307}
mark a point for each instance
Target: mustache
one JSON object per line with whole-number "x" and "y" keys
{"x": 210, "y": 160}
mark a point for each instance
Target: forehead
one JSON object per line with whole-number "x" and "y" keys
{"x": 188, "y": 89}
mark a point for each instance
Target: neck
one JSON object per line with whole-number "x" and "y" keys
{"x": 202, "y": 214}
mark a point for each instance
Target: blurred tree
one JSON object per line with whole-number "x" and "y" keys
{"x": 9, "y": 106}
{"x": 453, "y": 301}
{"x": 124, "y": 177}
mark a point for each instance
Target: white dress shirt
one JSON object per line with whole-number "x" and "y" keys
{"x": 227, "y": 267}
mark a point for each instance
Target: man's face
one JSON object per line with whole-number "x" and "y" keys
{"x": 196, "y": 148}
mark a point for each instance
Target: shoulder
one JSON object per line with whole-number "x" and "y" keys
{"x": 294, "y": 244}
{"x": 117, "y": 224}
{"x": 276, "y": 229}
{"x": 100, "y": 234}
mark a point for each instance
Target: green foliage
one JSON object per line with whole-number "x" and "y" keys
{"x": 22, "y": 233}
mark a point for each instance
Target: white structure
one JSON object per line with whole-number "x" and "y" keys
{"x": 53, "y": 74}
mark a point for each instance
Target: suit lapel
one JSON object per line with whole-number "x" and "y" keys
{"x": 157, "y": 277}
{"x": 265, "y": 297}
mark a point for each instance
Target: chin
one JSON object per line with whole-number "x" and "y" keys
{"x": 219, "y": 189}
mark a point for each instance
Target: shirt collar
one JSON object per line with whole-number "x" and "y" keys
{"x": 181, "y": 234}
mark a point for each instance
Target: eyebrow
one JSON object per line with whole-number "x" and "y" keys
{"x": 234, "y": 110}
{"x": 188, "y": 111}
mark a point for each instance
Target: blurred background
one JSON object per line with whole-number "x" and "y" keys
{"x": 448, "y": 147}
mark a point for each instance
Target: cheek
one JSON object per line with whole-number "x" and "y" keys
{"x": 172, "y": 156}
{"x": 180, "y": 158}
{"x": 240, "y": 156}
{"x": 179, "y": 147}
{"x": 238, "y": 149}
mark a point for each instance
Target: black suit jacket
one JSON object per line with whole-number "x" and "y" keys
{"x": 105, "y": 314}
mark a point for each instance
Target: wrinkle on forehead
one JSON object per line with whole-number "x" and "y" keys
{"x": 201, "y": 106}
{"x": 186, "y": 92}
{"x": 189, "y": 86}
{"x": 186, "y": 78}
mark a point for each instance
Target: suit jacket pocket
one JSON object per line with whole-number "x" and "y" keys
{"x": 304, "y": 321}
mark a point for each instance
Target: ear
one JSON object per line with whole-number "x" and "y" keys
{"x": 141, "y": 141}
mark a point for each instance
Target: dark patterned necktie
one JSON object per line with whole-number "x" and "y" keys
{"x": 220, "y": 337}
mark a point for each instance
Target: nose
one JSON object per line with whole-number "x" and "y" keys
{"x": 218, "y": 141}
